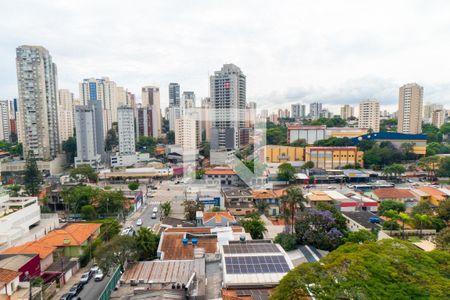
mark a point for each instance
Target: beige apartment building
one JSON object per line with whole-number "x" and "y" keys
{"x": 369, "y": 115}
{"x": 410, "y": 106}
{"x": 151, "y": 99}
{"x": 347, "y": 112}
{"x": 438, "y": 118}
{"x": 65, "y": 114}
{"x": 187, "y": 133}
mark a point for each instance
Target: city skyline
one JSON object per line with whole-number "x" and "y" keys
{"x": 311, "y": 65}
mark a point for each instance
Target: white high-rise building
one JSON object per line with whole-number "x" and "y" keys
{"x": 38, "y": 103}
{"x": 298, "y": 111}
{"x": 187, "y": 133}
{"x": 369, "y": 115}
{"x": 90, "y": 138}
{"x": 65, "y": 114}
{"x": 228, "y": 100}
{"x": 127, "y": 141}
{"x": 206, "y": 118}
{"x": 151, "y": 99}
{"x": 347, "y": 112}
{"x": 105, "y": 91}
{"x": 410, "y": 107}
{"x": 173, "y": 114}
{"x": 315, "y": 109}
{"x": 4, "y": 121}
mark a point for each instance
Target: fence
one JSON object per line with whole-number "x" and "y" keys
{"x": 107, "y": 291}
{"x": 49, "y": 290}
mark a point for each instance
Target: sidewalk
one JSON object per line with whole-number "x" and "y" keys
{"x": 74, "y": 279}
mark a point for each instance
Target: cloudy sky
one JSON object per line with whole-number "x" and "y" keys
{"x": 337, "y": 52}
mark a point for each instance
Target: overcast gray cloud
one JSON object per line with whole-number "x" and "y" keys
{"x": 332, "y": 51}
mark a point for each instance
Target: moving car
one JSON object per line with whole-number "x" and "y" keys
{"x": 139, "y": 222}
{"x": 86, "y": 277}
{"x": 99, "y": 275}
{"x": 153, "y": 215}
{"x": 155, "y": 209}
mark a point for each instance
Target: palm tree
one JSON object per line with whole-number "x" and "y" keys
{"x": 293, "y": 199}
{"x": 404, "y": 218}
{"x": 422, "y": 220}
{"x": 393, "y": 215}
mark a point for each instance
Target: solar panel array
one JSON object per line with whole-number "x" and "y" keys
{"x": 256, "y": 264}
{"x": 250, "y": 248}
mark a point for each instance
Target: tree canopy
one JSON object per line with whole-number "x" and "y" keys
{"x": 387, "y": 269}
{"x": 286, "y": 172}
{"x": 33, "y": 177}
{"x": 254, "y": 225}
{"x": 85, "y": 171}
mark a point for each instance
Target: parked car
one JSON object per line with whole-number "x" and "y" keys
{"x": 94, "y": 269}
{"x": 153, "y": 215}
{"x": 99, "y": 275}
{"x": 67, "y": 296}
{"x": 331, "y": 187}
{"x": 85, "y": 277}
{"x": 139, "y": 222}
{"x": 155, "y": 209}
{"x": 76, "y": 288}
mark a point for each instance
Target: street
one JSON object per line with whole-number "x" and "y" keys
{"x": 93, "y": 289}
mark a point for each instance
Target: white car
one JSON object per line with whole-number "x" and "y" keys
{"x": 139, "y": 222}
{"x": 94, "y": 269}
{"x": 331, "y": 187}
{"x": 99, "y": 275}
{"x": 155, "y": 209}
{"x": 85, "y": 277}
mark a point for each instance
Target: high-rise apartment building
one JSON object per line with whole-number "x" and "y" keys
{"x": 38, "y": 111}
{"x": 65, "y": 114}
{"x": 187, "y": 133}
{"x": 144, "y": 121}
{"x": 173, "y": 114}
{"x": 105, "y": 91}
{"x": 127, "y": 141}
{"x": 174, "y": 94}
{"x": 410, "y": 106}
{"x": 90, "y": 138}
{"x": 228, "y": 99}
{"x": 369, "y": 115}
{"x": 206, "y": 117}
{"x": 347, "y": 112}
{"x": 315, "y": 109}
{"x": 438, "y": 117}
{"x": 188, "y": 99}
{"x": 4, "y": 121}
{"x": 151, "y": 99}
{"x": 298, "y": 111}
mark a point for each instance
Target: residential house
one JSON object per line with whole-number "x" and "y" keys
{"x": 436, "y": 195}
{"x": 315, "y": 197}
{"x": 239, "y": 201}
{"x": 9, "y": 283}
{"x": 221, "y": 176}
{"x": 22, "y": 263}
{"x": 44, "y": 251}
{"x": 214, "y": 219}
{"x": 72, "y": 238}
{"x": 357, "y": 220}
{"x": 401, "y": 195}
{"x": 271, "y": 199}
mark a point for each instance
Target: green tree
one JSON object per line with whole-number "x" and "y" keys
{"x": 286, "y": 172}
{"x": 112, "y": 138}
{"x": 78, "y": 196}
{"x": 387, "y": 269}
{"x": 294, "y": 201}
{"x": 69, "y": 146}
{"x": 443, "y": 240}
{"x": 166, "y": 208}
{"x": 205, "y": 149}
{"x": 33, "y": 177}
{"x": 109, "y": 229}
{"x": 430, "y": 164}
{"x": 404, "y": 218}
{"x": 85, "y": 171}
{"x": 421, "y": 221}
{"x": 445, "y": 128}
{"x": 286, "y": 240}
{"x": 199, "y": 173}
{"x": 443, "y": 210}
{"x": 146, "y": 144}
{"x": 14, "y": 189}
{"x": 110, "y": 202}
{"x": 170, "y": 136}
{"x": 391, "y": 224}
{"x": 299, "y": 143}
{"x": 276, "y": 136}
{"x": 116, "y": 252}
{"x": 133, "y": 185}
{"x": 360, "y": 236}
{"x": 387, "y": 205}
{"x": 147, "y": 243}
{"x": 308, "y": 165}
{"x": 444, "y": 167}
{"x": 190, "y": 209}
{"x": 88, "y": 212}
{"x": 394, "y": 171}
{"x": 255, "y": 226}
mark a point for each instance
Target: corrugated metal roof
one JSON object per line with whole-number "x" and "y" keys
{"x": 169, "y": 271}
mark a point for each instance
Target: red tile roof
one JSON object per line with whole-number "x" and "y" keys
{"x": 173, "y": 248}
{"x": 35, "y": 247}
{"x": 220, "y": 171}
{"x": 208, "y": 216}
{"x": 8, "y": 275}
{"x": 393, "y": 193}
{"x": 71, "y": 235}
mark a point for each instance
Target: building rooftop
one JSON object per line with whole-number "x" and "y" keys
{"x": 35, "y": 247}
{"x": 363, "y": 218}
{"x": 316, "y": 195}
{"x": 393, "y": 193}
{"x": 434, "y": 192}
{"x": 71, "y": 235}
{"x": 236, "y": 192}
{"x": 172, "y": 248}
{"x": 14, "y": 262}
{"x": 246, "y": 294}
{"x": 7, "y": 276}
{"x": 220, "y": 171}
{"x": 218, "y": 216}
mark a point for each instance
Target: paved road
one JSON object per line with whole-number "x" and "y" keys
{"x": 93, "y": 289}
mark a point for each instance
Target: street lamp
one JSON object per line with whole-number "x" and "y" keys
{"x": 28, "y": 278}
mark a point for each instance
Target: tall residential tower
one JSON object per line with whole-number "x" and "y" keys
{"x": 410, "y": 107}
{"x": 369, "y": 115}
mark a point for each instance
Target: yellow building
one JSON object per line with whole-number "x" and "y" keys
{"x": 282, "y": 154}
{"x": 334, "y": 157}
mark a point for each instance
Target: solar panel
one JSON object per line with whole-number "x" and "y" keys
{"x": 250, "y": 248}
{"x": 256, "y": 264}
